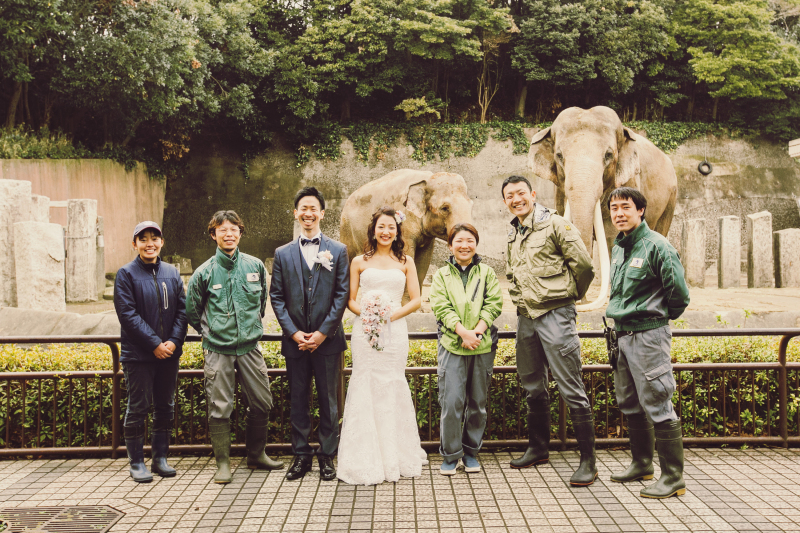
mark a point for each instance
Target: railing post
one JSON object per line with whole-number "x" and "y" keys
{"x": 562, "y": 422}
{"x": 340, "y": 393}
{"x": 116, "y": 395}
{"x": 783, "y": 383}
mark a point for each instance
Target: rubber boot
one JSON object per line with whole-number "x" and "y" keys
{"x": 643, "y": 442}
{"x": 669, "y": 441}
{"x": 256, "y": 442}
{"x": 583, "y": 424}
{"x": 219, "y": 430}
{"x": 159, "y": 442}
{"x": 538, "y": 435}
{"x": 134, "y": 443}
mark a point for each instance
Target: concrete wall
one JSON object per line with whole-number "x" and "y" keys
{"x": 748, "y": 176}
{"x": 215, "y": 181}
{"x": 123, "y": 198}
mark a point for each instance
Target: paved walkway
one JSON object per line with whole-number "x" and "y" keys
{"x": 728, "y": 490}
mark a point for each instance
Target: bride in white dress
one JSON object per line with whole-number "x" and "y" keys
{"x": 380, "y": 439}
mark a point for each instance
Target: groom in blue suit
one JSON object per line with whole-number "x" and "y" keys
{"x": 309, "y": 292}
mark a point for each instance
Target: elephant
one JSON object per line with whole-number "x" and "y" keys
{"x": 587, "y": 154}
{"x": 432, "y": 203}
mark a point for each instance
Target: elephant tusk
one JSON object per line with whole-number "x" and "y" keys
{"x": 605, "y": 261}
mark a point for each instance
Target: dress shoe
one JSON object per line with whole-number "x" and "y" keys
{"x": 327, "y": 472}
{"x": 300, "y": 465}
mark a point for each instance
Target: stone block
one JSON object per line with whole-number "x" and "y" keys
{"x": 729, "y": 252}
{"x": 100, "y": 259}
{"x": 183, "y": 264}
{"x": 786, "y": 248}
{"x": 40, "y": 208}
{"x": 81, "y": 251}
{"x": 759, "y": 250}
{"x": 39, "y": 257}
{"x": 15, "y": 206}
{"x": 693, "y": 251}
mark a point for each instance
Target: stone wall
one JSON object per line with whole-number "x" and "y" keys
{"x": 123, "y": 198}
{"x": 748, "y": 177}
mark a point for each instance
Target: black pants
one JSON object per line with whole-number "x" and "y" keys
{"x": 150, "y": 384}
{"x": 325, "y": 370}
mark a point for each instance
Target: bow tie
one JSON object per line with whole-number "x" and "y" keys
{"x": 305, "y": 242}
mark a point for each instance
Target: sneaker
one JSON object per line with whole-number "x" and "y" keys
{"x": 449, "y": 468}
{"x": 471, "y": 464}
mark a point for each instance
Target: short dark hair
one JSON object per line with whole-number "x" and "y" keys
{"x": 462, "y": 226}
{"x": 628, "y": 193}
{"x": 221, "y": 216}
{"x": 309, "y": 191}
{"x": 515, "y": 179}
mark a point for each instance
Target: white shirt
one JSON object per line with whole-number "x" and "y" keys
{"x": 310, "y": 251}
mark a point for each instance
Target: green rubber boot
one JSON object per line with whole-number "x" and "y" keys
{"x": 219, "y": 430}
{"x": 643, "y": 442}
{"x": 256, "y": 442}
{"x": 538, "y": 435}
{"x": 583, "y": 424}
{"x": 669, "y": 441}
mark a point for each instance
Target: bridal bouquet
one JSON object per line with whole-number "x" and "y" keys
{"x": 376, "y": 310}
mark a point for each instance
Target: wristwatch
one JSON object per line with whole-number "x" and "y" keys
{"x": 479, "y": 336}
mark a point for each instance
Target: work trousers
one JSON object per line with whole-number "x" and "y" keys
{"x": 150, "y": 384}
{"x": 551, "y": 340}
{"x": 221, "y": 383}
{"x": 463, "y": 385}
{"x": 643, "y": 379}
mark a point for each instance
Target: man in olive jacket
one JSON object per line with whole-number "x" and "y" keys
{"x": 226, "y": 301}
{"x": 647, "y": 291}
{"x": 549, "y": 268}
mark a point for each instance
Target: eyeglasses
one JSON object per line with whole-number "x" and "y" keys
{"x": 229, "y": 231}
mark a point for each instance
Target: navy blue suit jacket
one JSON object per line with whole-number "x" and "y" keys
{"x": 330, "y": 291}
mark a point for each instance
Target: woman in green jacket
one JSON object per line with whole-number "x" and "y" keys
{"x": 466, "y": 299}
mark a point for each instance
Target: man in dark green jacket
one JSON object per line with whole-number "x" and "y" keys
{"x": 226, "y": 301}
{"x": 647, "y": 291}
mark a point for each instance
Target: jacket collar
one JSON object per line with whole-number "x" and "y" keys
{"x": 225, "y": 261}
{"x": 148, "y": 266}
{"x": 627, "y": 241}
{"x": 476, "y": 259}
{"x": 539, "y": 213}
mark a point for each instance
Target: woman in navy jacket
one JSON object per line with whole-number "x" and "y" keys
{"x": 151, "y": 306}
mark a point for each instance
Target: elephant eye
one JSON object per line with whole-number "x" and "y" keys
{"x": 560, "y": 156}
{"x": 445, "y": 207}
{"x": 609, "y": 155}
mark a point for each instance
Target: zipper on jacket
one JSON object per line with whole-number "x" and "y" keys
{"x": 166, "y": 297}
{"x": 475, "y": 293}
{"x": 160, "y": 304}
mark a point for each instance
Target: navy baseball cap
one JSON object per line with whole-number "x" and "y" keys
{"x": 147, "y": 224}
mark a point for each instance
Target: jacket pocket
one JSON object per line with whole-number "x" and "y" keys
{"x": 252, "y": 292}
{"x": 550, "y": 282}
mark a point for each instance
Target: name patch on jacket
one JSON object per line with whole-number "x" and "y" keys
{"x": 636, "y": 262}
{"x": 252, "y": 277}
{"x": 217, "y": 286}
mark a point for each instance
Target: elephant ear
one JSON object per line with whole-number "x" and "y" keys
{"x": 416, "y": 199}
{"x": 540, "y": 157}
{"x": 629, "y": 171}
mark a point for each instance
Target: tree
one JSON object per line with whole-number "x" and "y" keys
{"x": 735, "y": 51}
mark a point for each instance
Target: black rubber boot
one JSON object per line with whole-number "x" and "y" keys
{"x": 669, "y": 441}
{"x": 538, "y": 435}
{"x": 256, "y": 442}
{"x": 643, "y": 442}
{"x": 159, "y": 442}
{"x": 134, "y": 443}
{"x": 219, "y": 431}
{"x": 583, "y": 424}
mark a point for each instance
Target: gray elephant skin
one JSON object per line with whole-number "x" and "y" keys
{"x": 432, "y": 203}
{"x": 587, "y": 153}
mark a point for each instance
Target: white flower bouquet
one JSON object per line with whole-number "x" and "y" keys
{"x": 376, "y": 311}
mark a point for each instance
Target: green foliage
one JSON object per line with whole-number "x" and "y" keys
{"x": 19, "y": 143}
{"x": 417, "y": 107}
{"x": 669, "y": 135}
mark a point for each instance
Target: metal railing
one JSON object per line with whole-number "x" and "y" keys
{"x": 80, "y": 412}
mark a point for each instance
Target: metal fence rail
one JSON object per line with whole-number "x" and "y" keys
{"x": 80, "y": 412}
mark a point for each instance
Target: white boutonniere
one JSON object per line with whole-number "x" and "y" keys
{"x": 325, "y": 259}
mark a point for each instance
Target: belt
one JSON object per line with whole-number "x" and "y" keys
{"x": 625, "y": 333}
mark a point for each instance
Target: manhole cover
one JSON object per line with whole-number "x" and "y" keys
{"x": 76, "y": 519}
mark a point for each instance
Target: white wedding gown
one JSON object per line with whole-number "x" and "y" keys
{"x": 380, "y": 440}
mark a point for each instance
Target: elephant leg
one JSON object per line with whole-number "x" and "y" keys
{"x": 664, "y": 222}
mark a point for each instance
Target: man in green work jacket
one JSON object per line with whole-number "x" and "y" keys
{"x": 647, "y": 291}
{"x": 549, "y": 269}
{"x": 226, "y": 301}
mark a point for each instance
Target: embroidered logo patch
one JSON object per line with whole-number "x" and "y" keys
{"x": 636, "y": 262}
{"x": 252, "y": 277}
{"x": 568, "y": 227}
